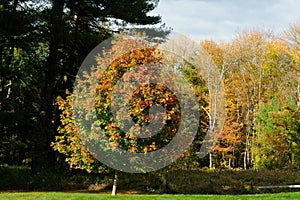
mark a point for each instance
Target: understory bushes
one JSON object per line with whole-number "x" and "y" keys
{"x": 201, "y": 181}
{"x": 230, "y": 181}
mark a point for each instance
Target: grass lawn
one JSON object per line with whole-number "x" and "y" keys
{"x": 86, "y": 196}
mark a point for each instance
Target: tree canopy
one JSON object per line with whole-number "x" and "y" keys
{"x": 42, "y": 44}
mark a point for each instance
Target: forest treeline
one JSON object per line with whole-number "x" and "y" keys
{"x": 42, "y": 44}
{"x": 260, "y": 73}
{"x": 262, "y": 100}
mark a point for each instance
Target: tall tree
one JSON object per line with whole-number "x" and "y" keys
{"x": 62, "y": 33}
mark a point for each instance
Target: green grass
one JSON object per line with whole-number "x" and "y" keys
{"x": 87, "y": 196}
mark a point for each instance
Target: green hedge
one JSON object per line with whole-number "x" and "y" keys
{"x": 173, "y": 181}
{"x": 229, "y": 181}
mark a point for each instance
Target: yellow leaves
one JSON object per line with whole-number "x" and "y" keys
{"x": 153, "y": 146}
{"x": 113, "y": 137}
{"x": 60, "y": 102}
{"x": 133, "y": 149}
{"x": 214, "y": 51}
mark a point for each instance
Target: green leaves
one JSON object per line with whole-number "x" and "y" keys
{"x": 277, "y": 141}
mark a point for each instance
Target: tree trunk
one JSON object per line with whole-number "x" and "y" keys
{"x": 114, "y": 188}
{"x": 246, "y": 152}
{"x": 210, "y": 161}
{"x": 42, "y": 153}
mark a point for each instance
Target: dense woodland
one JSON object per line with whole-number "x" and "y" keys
{"x": 261, "y": 128}
{"x": 43, "y": 43}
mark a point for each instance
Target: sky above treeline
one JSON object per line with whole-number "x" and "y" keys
{"x": 222, "y": 20}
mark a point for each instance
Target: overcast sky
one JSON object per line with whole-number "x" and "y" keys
{"x": 223, "y": 19}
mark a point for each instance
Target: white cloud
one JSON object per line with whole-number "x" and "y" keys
{"x": 221, "y": 19}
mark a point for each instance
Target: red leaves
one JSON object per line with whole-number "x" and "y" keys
{"x": 102, "y": 83}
